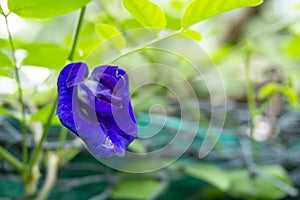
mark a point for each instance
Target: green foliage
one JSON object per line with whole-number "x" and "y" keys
{"x": 238, "y": 183}
{"x": 4, "y": 43}
{"x": 146, "y": 12}
{"x": 192, "y": 34}
{"x": 199, "y": 10}
{"x": 135, "y": 189}
{"x": 243, "y": 186}
{"x": 102, "y": 25}
{"x": 89, "y": 39}
{"x": 173, "y": 23}
{"x": 42, "y": 115}
{"x": 293, "y": 48}
{"x": 3, "y": 111}
{"x": 45, "y": 55}
{"x": 44, "y": 9}
{"x": 137, "y": 146}
{"x": 270, "y": 89}
{"x": 113, "y": 34}
{"x": 1, "y": 11}
{"x": 5, "y": 65}
{"x": 210, "y": 174}
{"x": 5, "y": 61}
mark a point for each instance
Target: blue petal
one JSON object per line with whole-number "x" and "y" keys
{"x": 77, "y": 72}
{"x": 99, "y": 105}
{"x": 71, "y": 74}
{"x": 103, "y": 118}
{"x": 104, "y": 69}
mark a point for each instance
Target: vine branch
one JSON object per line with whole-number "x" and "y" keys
{"x": 20, "y": 93}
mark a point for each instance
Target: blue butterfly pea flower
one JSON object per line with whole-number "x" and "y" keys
{"x": 97, "y": 109}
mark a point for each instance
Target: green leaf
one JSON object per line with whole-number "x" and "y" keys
{"x": 274, "y": 88}
{"x": 268, "y": 90}
{"x": 88, "y": 41}
{"x": 293, "y": 48}
{"x": 146, "y": 12}
{"x": 42, "y": 115}
{"x": 243, "y": 186}
{"x": 135, "y": 189}
{"x": 137, "y": 146}
{"x": 177, "y": 4}
{"x": 45, "y": 55}
{"x": 1, "y": 11}
{"x": 173, "y": 22}
{"x": 210, "y": 174}
{"x": 4, "y": 43}
{"x": 5, "y": 61}
{"x": 291, "y": 95}
{"x": 6, "y": 65}
{"x": 44, "y": 9}
{"x": 3, "y": 111}
{"x": 113, "y": 34}
{"x": 192, "y": 34}
{"x": 199, "y": 10}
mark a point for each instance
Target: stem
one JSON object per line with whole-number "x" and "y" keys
{"x": 12, "y": 160}
{"x": 20, "y": 92}
{"x": 251, "y": 104}
{"x": 76, "y": 35}
{"x": 37, "y": 149}
{"x": 145, "y": 45}
{"x": 250, "y": 92}
{"x": 52, "y": 168}
{"x": 290, "y": 190}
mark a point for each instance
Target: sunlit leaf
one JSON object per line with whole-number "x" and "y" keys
{"x": 3, "y": 111}
{"x": 199, "y": 10}
{"x": 1, "y": 11}
{"x": 131, "y": 24}
{"x": 45, "y": 55}
{"x": 88, "y": 41}
{"x": 5, "y": 61}
{"x": 42, "y": 115}
{"x": 192, "y": 34}
{"x": 113, "y": 34}
{"x": 270, "y": 89}
{"x": 291, "y": 96}
{"x": 146, "y": 12}
{"x": 173, "y": 23}
{"x": 267, "y": 90}
{"x": 135, "y": 189}
{"x": 6, "y": 65}
{"x": 43, "y": 9}
{"x": 177, "y": 4}
{"x": 210, "y": 174}
{"x": 293, "y": 48}
{"x": 4, "y": 43}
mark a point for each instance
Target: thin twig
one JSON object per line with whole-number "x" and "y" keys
{"x": 37, "y": 149}
{"x": 52, "y": 168}
{"x": 12, "y": 160}
{"x": 20, "y": 93}
{"x": 76, "y": 35}
{"x": 152, "y": 42}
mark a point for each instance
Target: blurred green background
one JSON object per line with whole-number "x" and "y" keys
{"x": 255, "y": 49}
